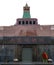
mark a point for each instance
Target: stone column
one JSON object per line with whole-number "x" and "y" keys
{"x": 18, "y": 52}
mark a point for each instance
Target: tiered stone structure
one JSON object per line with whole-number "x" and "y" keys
{"x": 26, "y": 33}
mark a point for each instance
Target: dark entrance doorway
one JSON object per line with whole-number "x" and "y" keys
{"x": 27, "y": 55}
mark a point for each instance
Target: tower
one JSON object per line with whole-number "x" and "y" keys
{"x": 26, "y": 19}
{"x": 26, "y": 11}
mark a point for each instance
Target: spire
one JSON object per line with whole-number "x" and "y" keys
{"x": 26, "y": 11}
{"x": 26, "y": 5}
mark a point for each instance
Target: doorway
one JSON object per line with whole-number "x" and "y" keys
{"x": 27, "y": 55}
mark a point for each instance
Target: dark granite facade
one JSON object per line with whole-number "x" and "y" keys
{"x": 11, "y": 47}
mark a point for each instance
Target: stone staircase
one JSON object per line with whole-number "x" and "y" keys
{"x": 22, "y": 63}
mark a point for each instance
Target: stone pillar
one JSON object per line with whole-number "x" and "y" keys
{"x": 34, "y": 53}
{"x": 18, "y": 52}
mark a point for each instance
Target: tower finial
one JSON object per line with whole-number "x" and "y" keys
{"x": 26, "y": 5}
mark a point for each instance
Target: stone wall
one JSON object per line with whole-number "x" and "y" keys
{"x": 15, "y": 51}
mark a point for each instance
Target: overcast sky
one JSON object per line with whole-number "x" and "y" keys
{"x": 10, "y": 10}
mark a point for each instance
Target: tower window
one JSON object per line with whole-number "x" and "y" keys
{"x": 33, "y": 22}
{"x": 23, "y": 22}
{"x": 30, "y": 22}
{"x": 19, "y": 22}
{"x": 26, "y": 22}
